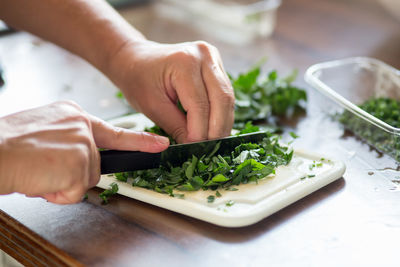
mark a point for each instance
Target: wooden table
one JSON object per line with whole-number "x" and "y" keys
{"x": 354, "y": 221}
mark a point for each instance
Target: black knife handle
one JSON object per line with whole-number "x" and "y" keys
{"x": 113, "y": 161}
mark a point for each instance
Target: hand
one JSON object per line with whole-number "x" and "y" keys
{"x": 52, "y": 152}
{"x": 154, "y": 76}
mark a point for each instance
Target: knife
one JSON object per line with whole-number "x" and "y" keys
{"x": 113, "y": 161}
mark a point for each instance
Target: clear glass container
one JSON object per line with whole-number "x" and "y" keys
{"x": 233, "y": 21}
{"x": 349, "y": 83}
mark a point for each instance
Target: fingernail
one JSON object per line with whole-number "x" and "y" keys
{"x": 162, "y": 140}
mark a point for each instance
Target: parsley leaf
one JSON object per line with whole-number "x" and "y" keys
{"x": 259, "y": 98}
{"x": 109, "y": 192}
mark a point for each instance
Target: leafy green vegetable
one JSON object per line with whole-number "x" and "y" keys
{"x": 293, "y": 135}
{"x": 248, "y": 128}
{"x": 260, "y": 99}
{"x": 248, "y": 162}
{"x": 230, "y": 203}
{"x": 109, "y": 192}
{"x": 315, "y": 164}
{"x": 119, "y": 95}
{"x": 385, "y": 109}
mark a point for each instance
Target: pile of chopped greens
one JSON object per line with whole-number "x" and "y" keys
{"x": 248, "y": 162}
{"x": 260, "y": 98}
{"x": 385, "y": 109}
{"x": 257, "y": 99}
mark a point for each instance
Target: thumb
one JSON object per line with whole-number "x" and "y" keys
{"x": 108, "y": 136}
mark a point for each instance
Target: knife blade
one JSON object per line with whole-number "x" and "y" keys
{"x": 113, "y": 161}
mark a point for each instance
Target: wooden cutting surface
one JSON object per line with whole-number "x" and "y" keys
{"x": 354, "y": 221}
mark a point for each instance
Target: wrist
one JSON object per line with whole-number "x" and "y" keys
{"x": 117, "y": 44}
{"x": 125, "y": 60}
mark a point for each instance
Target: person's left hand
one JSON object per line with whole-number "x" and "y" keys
{"x": 153, "y": 77}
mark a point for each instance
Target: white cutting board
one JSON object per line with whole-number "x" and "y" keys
{"x": 251, "y": 202}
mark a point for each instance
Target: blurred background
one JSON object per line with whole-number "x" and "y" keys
{"x": 291, "y": 34}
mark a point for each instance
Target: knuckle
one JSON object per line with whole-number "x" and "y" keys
{"x": 82, "y": 119}
{"x": 86, "y": 142}
{"x": 69, "y": 103}
{"x": 80, "y": 123}
{"x": 186, "y": 56}
{"x": 201, "y": 105}
{"x": 227, "y": 98}
{"x": 80, "y": 156}
{"x": 205, "y": 48}
{"x": 144, "y": 140}
{"x": 117, "y": 134}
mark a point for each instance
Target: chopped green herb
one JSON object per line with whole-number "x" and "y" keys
{"x": 262, "y": 98}
{"x": 218, "y": 194}
{"x": 121, "y": 176}
{"x": 385, "y": 109}
{"x": 181, "y": 196}
{"x": 247, "y": 163}
{"x": 231, "y": 189}
{"x": 315, "y": 165}
{"x": 311, "y": 166}
{"x": 109, "y": 192}
{"x": 249, "y": 128}
{"x": 119, "y": 95}
{"x": 308, "y": 176}
{"x": 210, "y": 199}
{"x": 293, "y": 135}
{"x": 230, "y": 203}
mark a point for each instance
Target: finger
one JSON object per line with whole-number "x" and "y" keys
{"x": 221, "y": 97}
{"x": 172, "y": 120}
{"x": 69, "y": 196}
{"x": 108, "y": 136}
{"x": 192, "y": 93}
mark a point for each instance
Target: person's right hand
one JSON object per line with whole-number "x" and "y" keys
{"x": 52, "y": 152}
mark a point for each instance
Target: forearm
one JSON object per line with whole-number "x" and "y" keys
{"x": 91, "y": 29}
